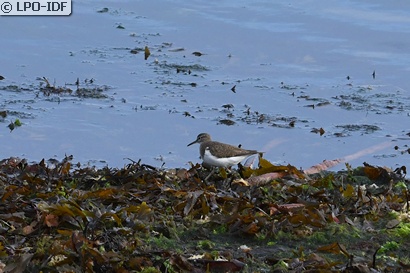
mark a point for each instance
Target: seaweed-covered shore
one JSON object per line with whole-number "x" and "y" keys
{"x": 56, "y": 216}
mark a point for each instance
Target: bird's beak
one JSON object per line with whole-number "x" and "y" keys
{"x": 196, "y": 141}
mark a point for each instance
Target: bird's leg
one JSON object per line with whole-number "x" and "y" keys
{"x": 222, "y": 172}
{"x": 209, "y": 175}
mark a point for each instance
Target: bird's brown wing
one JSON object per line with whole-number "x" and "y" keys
{"x": 229, "y": 150}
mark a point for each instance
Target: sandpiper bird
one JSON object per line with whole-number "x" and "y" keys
{"x": 219, "y": 154}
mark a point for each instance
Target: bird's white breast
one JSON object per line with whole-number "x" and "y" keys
{"x": 212, "y": 160}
